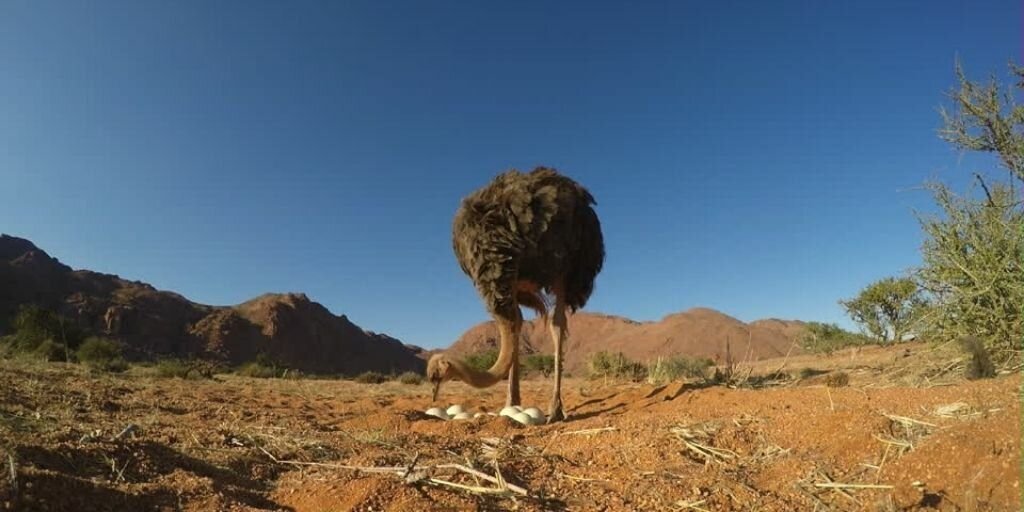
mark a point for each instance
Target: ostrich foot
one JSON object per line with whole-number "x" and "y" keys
{"x": 555, "y": 412}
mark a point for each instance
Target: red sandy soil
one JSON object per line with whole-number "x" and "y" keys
{"x": 207, "y": 444}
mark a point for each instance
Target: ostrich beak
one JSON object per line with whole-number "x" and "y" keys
{"x": 437, "y": 387}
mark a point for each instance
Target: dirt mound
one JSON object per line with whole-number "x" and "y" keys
{"x": 289, "y": 328}
{"x": 698, "y": 332}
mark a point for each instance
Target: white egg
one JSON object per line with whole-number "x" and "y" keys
{"x": 523, "y": 418}
{"x": 462, "y": 416}
{"x": 508, "y": 411}
{"x": 455, "y": 409}
{"x": 437, "y": 412}
{"x": 535, "y": 414}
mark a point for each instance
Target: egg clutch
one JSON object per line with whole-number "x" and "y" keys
{"x": 529, "y": 416}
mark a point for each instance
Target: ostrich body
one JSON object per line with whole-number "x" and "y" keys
{"x": 523, "y": 238}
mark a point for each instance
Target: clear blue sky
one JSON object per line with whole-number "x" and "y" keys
{"x": 758, "y": 159}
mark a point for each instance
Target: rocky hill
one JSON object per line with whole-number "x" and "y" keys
{"x": 289, "y": 328}
{"x": 698, "y": 332}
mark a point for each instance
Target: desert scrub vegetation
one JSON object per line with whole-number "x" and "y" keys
{"x": 614, "y": 365}
{"x": 482, "y": 360}
{"x": 973, "y": 263}
{"x": 172, "y": 368}
{"x": 262, "y": 367}
{"x": 371, "y": 378}
{"x": 411, "y": 378}
{"x": 44, "y": 333}
{"x": 186, "y": 369}
{"x": 540, "y": 363}
{"x": 101, "y": 354}
{"x": 257, "y": 370}
{"x": 669, "y": 369}
{"x": 826, "y": 338}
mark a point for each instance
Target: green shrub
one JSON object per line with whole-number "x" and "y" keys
{"x": 371, "y": 378}
{"x": 101, "y": 354}
{"x": 614, "y": 365}
{"x": 674, "y": 368}
{"x": 257, "y": 370}
{"x": 411, "y": 378}
{"x": 543, "y": 363}
{"x": 483, "y": 360}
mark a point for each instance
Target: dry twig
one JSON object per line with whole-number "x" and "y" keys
{"x": 837, "y": 485}
{"x": 587, "y": 431}
{"x": 13, "y": 468}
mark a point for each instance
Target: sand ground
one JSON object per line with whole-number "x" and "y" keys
{"x": 792, "y": 444}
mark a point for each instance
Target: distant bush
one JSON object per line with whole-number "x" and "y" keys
{"x": 171, "y": 368}
{"x": 101, "y": 354}
{"x": 411, "y": 378}
{"x": 257, "y": 370}
{"x": 543, "y": 363}
{"x": 181, "y": 369}
{"x": 371, "y": 378}
{"x": 615, "y": 365}
{"x": 482, "y": 360}
{"x": 674, "y": 368}
{"x": 827, "y": 338}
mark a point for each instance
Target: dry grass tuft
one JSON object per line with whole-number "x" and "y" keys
{"x": 698, "y": 438}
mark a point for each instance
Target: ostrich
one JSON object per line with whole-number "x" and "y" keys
{"x": 526, "y": 239}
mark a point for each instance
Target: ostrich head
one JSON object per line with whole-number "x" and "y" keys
{"x": 439, "y": 369}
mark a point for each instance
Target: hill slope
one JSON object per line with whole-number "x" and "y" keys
{"x": 697, "y": 332}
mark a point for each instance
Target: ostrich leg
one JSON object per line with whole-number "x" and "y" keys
{"x": 559, "y": 329}
{"x": 513, "y": 378}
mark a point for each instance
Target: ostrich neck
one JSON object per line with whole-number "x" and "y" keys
{"x": 476, "y": 378}
{"x": 501, "y": 366}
